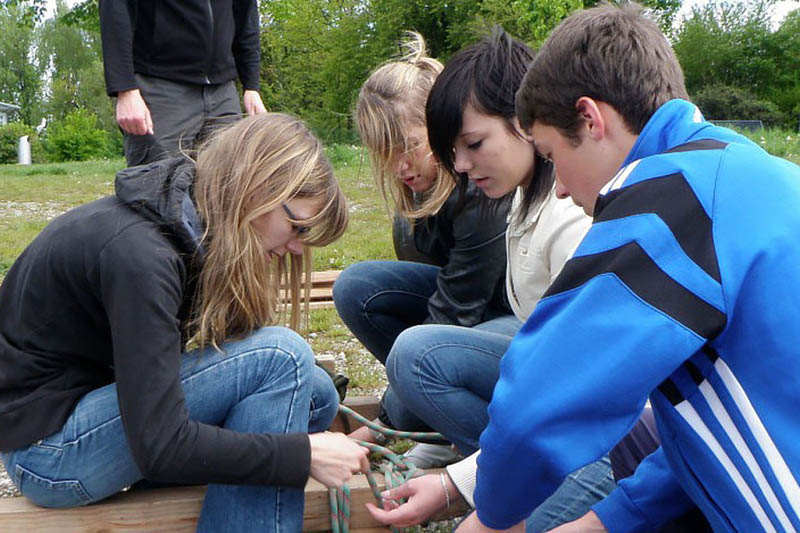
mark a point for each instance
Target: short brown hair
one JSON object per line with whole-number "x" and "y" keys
{"x": 612, "y": 54}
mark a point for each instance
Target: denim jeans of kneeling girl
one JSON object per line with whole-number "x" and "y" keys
{"x": 265, "y": 383}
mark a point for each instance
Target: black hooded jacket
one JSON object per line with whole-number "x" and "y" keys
{"x": 102, "y": 295}
{"x": 188, "y": 41}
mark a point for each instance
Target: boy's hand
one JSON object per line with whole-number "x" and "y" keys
{"x": 253, "y": 104}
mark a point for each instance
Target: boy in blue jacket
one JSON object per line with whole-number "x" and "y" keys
{"x": 685, "y": 291}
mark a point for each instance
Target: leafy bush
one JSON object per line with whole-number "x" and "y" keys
{"x": 9, "y": 141}
{"x": 77, "y": 137}
{"x": 725, "y": 102}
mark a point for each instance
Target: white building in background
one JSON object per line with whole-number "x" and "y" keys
{"x": 5, "y": 109}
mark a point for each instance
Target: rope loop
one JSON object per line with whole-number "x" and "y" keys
{"x": 395, "y": 468}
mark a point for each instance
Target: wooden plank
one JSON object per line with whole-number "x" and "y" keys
{"x": 323, "y": 293}
{"x": 321, "y": 305}
{"x": 176, "y": 510}
{"x": 366, "y": 406}
{"x": 319, "y": 294}
{"x": 328, "y": 362}
{"x": 325, "y": 277}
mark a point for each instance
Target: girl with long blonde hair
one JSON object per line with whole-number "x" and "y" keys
{"x": 98, "y": 390}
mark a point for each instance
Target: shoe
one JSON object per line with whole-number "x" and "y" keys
{"x": 425, "y": 456}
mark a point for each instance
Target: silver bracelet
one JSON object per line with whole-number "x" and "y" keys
{"x": 444, "y": 486}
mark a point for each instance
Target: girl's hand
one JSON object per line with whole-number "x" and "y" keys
{"x": 334, "y": 458}
{"x": 425, "y": 496}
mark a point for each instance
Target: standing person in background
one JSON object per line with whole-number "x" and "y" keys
{"x": 172, "y": 65}
{"x": 139, "y": 336}
{"x": 457, "y": 233}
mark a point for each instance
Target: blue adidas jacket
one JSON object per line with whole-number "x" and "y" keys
{"x": 686, "y": 290}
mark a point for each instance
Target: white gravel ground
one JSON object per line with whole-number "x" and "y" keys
{"x": 7, "y": 488}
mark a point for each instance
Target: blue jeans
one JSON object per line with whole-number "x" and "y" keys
{"x": 382, "y": 302}
{"x": 377, "y": 300}
{"x": 444, "y": 377}
{"x": 265, "y": 383}
{"x": 574, "y": 497}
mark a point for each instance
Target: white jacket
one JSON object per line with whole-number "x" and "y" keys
{"x": 538, "y": 246}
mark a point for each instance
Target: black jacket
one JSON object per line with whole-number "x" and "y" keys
{"x": 188, "y": 41}
{"x": 102, "y": 295}
{"x": 466, "y": 238}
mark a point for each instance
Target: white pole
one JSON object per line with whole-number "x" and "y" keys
{"x": 24, "y": 151}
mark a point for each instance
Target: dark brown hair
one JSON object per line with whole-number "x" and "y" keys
{"x": 612, "y": 54}
{"x": 486, "y": 75}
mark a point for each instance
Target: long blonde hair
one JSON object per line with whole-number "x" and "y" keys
{"x": 244, "y": 171}
{"x": 390, "y": 102}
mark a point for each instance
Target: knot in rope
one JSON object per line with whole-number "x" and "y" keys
{"x": 396, "y": 469}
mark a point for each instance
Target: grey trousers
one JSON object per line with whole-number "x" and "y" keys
{"x": 182, "y": 114}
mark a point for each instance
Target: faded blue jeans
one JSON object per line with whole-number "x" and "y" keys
{"x": 265, "y": 383}
{"x": 443, "y": 377}
{"x": 378, "y": 300}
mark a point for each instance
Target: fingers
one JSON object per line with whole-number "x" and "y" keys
{"x": 399, "y": 493}
{"x": 253, "y": 103}
{"x": 133, "y": 116}
{"x": 364, "y": 463}
{"x": 148, "y": 121}
{"x": 398, "y": 517}
{"x": 134, "y": 125}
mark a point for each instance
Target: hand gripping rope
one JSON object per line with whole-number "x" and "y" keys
{"x": 396, "y": 469}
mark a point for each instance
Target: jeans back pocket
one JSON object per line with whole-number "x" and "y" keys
{"x": 50, "y": 493}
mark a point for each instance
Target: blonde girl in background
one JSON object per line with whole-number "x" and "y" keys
{"x": 448, "y": 239}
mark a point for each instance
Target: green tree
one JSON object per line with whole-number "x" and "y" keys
{"x": 314, "y": 56}
{"x": 724, "y": 102}
{"x": 20, "y": 72}
{"x": 784, "y": 46}
{"x": 72, "y": 53}
{"x": 732, "y": 44}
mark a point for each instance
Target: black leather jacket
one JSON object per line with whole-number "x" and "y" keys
{"x": 466, "y": 238}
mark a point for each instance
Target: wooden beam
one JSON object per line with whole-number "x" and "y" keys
{"x": 366, "y": 406}
{"x": 328, "y": 362}
{"x": 177, "y": 509}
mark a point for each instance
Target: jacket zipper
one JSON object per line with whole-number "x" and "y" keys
{"x": 210, "y": 55}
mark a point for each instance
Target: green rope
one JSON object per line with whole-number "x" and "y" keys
{"x": 396, "y": 469}
{"x": 392, "y": 433}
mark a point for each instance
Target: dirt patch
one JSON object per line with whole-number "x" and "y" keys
{"x": 31, "y": 210}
